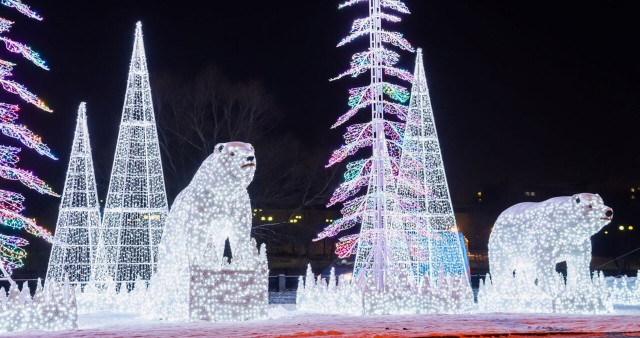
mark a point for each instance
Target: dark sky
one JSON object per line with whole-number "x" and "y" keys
{"x": 521, "y": 89}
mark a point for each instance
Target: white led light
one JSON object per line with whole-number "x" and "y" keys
{"x": 136, "y": 187}
{"x": 451, "y": 294}
{"x": 51, "y": 308}
{"x": 77, "y": 229}
{"x": 527, "y": 242}
{"x": 193, "y": 279}
{"x": 625, "y": 290}
{"x": 424, "y": 205}
{"x": 229, "y": 291}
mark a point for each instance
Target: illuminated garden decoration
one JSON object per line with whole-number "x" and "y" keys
{"x": 77, "y": 229}
{"x": 451, "y": 294}
{"x": 527, "y": 242}
{"x": 136, "y": 205}
{"x": 194, "y": 280}
{"x": 12, "y": 252}
{"x": 625, "y": 289}
{"x": 424, "y": 202}
{"x": 380, "y": 247}
{"x": 51, "y": 308}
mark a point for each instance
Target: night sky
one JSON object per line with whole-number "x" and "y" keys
{"x": 544, "y": 90}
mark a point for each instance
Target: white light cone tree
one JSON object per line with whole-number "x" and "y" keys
{"x": 381, "y": 247}
{"x": 424, "y": 201}
{"x": 136, "y": 206}
{"x": 77, "y": 229}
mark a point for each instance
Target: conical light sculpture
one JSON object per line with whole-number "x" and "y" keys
{"x": 136, "y": 206}
{"x": 77, "y": 229}
{"x": 425, "y": 203}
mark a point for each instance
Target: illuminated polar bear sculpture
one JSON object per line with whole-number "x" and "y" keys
{"x": 531, "y": 238}
{"x": 215, "y": 206}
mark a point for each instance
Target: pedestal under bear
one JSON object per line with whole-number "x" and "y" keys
{"x": 213, "y": 208}
{"x": 529, "y": 239}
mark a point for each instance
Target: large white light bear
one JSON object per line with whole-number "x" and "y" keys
{"x": 215, "y": 206}
{"x": 531, "y": 238}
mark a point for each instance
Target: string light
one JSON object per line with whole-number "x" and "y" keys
{"x": 51, "y": 308}
{"x": 5, "y": 25}
{"x": 26, "y": 51}
{"x": 77, "y": 229}
{"x": 12, "y": 253}
{"x": 22, "y": 8}
{"x": 424, "y": 200}
{"x": 381, "y": 249}
{"x": 136, "y": 187}
{"x": 13, "y": 87}
{"x": 194, "y": 280}
{"x": 229, "y": 292}
{"x": 529, "y": 239}
{"x": 625, "y": 290}
{"x": 451, "y": 294}
{"x": 8, "y": 115}
{"x": 517, "y": 293}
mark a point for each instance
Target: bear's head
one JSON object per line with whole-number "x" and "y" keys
{"x": 590, "y": 213}
{"x": 237, "y": 161}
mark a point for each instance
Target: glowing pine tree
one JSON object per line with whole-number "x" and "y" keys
{"x": 381, "y": 246}
{"x": 136, "y": 205}
{"x": 11, "y": 203}
{"x": 77, "y": 229}
{"x": 424, "y": 200}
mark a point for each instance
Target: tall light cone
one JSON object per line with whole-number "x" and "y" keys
{"x": 136, "y": 205}
{"x": 436, "y": 246}
{"x": 77, "y": 229}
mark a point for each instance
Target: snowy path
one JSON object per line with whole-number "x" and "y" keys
{"x": 286, "y": 322}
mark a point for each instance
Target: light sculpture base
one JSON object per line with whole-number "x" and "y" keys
{"x": 51, "y": 308}
{"x": 625, "y": 290}
{"x": 521, "y": 295}
{"x": 451, "y": 294}
{"x": 228, "y": 292}
{"x": 111, "y": 297}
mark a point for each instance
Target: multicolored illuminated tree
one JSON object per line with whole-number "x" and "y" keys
{"x": 77, "y": 229}
{"x": 11, "y": 207}
{"x": 136, "y": 207}
{"x": 381, "y": 246}
{"x": 425, "y": 205}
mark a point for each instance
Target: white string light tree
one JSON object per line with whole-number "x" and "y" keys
{"x": 77, "y": 229}
{"x": 425, "y": 203}
{"x": 136, "y": 206}
{"x": 381, "y": 250}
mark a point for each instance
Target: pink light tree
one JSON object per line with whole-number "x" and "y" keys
{"x": 11, "y": 203}
{"x": 380, "y": 247}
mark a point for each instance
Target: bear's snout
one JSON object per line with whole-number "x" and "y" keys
{"x": 608, "y": 214}
{"x": 250, "y": 158}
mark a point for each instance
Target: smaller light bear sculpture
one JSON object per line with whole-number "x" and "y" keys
{"x": 531, "y": 238}
{"x": 213, "y": 208}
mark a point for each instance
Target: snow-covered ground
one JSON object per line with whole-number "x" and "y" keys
{"x": 285, "y": 321}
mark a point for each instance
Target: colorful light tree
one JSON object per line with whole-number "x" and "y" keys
{"x": 136, "y": 206}
{"x": 77, "y": 229}
{"x": 11, "y": 207}
{"x": 425, "y": 205}
{"x": 381, "y": 246}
